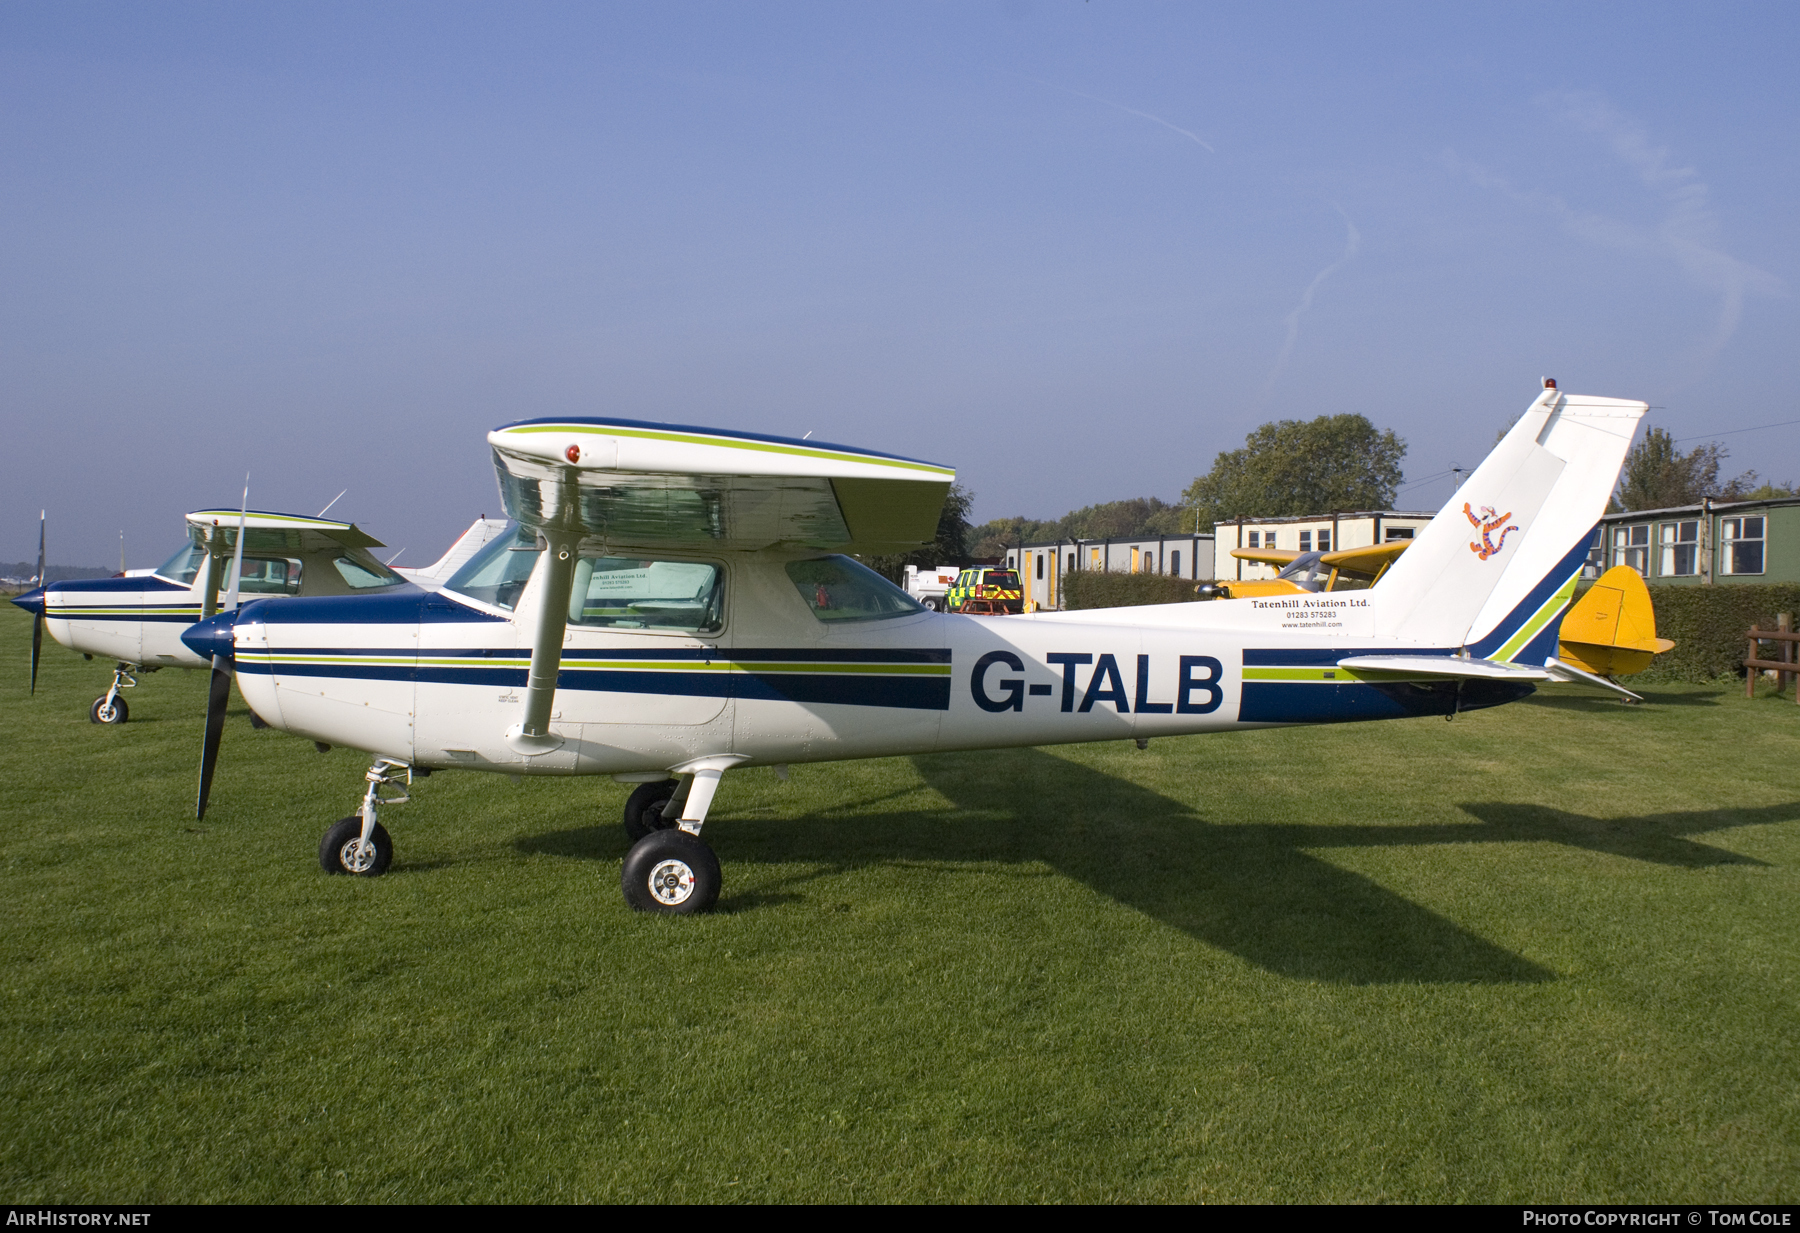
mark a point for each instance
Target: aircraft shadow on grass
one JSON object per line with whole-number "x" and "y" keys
{"x": 1253, "y": 889}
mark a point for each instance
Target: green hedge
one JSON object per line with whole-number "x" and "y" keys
{"x": 1089, "y": 588}
{"x": 1707, "y": 624}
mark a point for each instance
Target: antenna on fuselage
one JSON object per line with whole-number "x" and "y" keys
{"x": 331, "y": 503}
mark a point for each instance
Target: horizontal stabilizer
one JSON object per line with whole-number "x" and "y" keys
{"x": 1570, "y": 674}
{"x": 1446, "y": 667}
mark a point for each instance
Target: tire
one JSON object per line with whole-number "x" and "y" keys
{"x": 640, "y": 817}
{"x": 671, "y": 873}
{"x": 334, "y": 856}
{"x": 100, "y": 713}
{"x": 934, "y": 603}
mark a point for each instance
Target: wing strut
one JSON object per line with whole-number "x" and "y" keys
{"x": 532, "y": 736}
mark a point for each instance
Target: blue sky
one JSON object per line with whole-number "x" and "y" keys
{"x": 1072, "y": 249}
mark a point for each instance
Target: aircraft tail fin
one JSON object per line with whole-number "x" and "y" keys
{"x": 467, "y": 545}
{"x": 1495, "y": 569}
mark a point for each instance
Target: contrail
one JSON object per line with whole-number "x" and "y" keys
{"x": 1176, "y": 128}
{"x": 1352, "y": 242}
{"x": 1106, "y": 102}
{"x": 1688, "y": 234}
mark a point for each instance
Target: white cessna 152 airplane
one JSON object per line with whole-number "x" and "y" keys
{"x": 673, "y": 604}
{"x": 137, "y": 620}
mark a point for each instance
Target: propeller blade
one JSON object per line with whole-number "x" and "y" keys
{"x": 218, "y": 693}
{"x": 37, "y": 618}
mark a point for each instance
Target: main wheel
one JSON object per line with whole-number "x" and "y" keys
{"x": 671, "y": 872}
{"x": 643, "y": 811}
{"x": 103, "y": 713}
{"x": 337, "y": 851}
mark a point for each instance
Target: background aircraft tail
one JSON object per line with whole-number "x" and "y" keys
{"x": 433, "y": 576}
{"x": 1497, "y": 566}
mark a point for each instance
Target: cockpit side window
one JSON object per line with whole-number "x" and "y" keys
{"x": 629, "y": 593}
{"x": 837, "y": 588}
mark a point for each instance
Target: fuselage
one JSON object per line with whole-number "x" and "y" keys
{"x": 436, "y": 680}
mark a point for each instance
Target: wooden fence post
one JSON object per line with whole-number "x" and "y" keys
{"x": 1784, "y": 621}
{"x": 1750, "y": 673}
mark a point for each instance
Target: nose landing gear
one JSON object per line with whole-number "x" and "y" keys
{"x": 359, "y": 844}
{"x": 109, "y": 707}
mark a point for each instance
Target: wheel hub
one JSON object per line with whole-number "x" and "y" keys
{"x": 356, "y": 858}
{"x": 672, "y": 882}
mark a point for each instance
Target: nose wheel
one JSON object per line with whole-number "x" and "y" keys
{"x": 342, "y": 852}
{"x": 109, "y": 708}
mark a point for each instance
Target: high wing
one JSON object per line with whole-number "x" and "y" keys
{"x": 216, "y": 530}
{"x": 1369, "y": 560}
{"x": 1265, "y": 556}
{"x": 668, "y": 485}
{"x": 648, "y": 485}
{"x": 266, "y": 532}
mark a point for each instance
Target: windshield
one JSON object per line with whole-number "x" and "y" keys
{"x": 837, "y": 588}
{"x": 184, "y": 565}
{"x": 496, "y": 574}
{"x": 1302, "y": 569}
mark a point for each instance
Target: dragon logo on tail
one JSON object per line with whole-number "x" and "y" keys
{"x": 1487, "y": 520}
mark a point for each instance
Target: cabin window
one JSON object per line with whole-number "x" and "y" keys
{"x": 365, "y": 574}
{"x": 184, "y": 566}
{"x": 632, "y": 593}
{"x": 1741, "y": 545}
{"x": 1324, "y": 541}
{"x": 1680, "y": 542}
{"x": 837, "y": 588}
{"x": 270, "y": 576}
{"x": 1256, "y": 539}
{"x": 1631, "y": 546}
{"x": 1306, "y": 541}
{"x": 1397, "y": 533}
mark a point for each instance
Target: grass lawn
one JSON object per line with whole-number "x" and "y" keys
{"x": 1547, "y": 952}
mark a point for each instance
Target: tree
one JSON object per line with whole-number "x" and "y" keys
{"x": 1657, "y": 475}
{"x": 949, "y": 547}
{"x": 1334, "y": 462}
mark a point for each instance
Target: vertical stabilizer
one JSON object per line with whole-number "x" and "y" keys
{"x": 1497, "y": 566}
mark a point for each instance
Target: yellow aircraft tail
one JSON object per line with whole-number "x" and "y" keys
{"x": 1612, "y": 630}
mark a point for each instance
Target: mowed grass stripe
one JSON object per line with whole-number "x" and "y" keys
{"x": 1546, "y": 952}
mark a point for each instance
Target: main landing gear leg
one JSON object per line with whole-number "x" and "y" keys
{"x": 109, "y": 708}
{"x": 673, "y": 871}
{"x": 359, "y": 844}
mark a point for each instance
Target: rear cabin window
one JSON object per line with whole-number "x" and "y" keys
{"x": 365, "y": 573}
{"x": 837, "y": 588}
